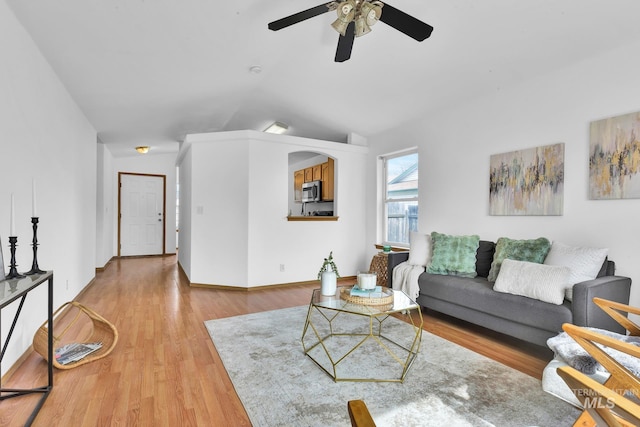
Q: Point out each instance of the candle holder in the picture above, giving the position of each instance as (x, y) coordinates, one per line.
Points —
(34, 265)
(13, 272)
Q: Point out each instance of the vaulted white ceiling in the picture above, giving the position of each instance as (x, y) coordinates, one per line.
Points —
(148, 72)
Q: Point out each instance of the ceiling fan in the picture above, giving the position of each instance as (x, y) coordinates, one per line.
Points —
(355, 18)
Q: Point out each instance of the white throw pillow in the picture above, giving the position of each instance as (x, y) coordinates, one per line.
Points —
(420, 248)
(542, 282)
(585, 263)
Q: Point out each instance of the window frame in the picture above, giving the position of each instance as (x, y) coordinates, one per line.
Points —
(385, 200)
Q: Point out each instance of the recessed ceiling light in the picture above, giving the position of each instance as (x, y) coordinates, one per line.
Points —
(255, 69)
(277, 128)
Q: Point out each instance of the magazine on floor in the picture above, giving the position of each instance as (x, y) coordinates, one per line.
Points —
(75, 351)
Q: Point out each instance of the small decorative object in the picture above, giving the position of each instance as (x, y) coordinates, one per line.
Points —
(367, 280)
(13, 271)
(34, 265)
(386, 249)
(328, 276)
(34, 221)
(13, 242)
(614, 170)
(380, 296)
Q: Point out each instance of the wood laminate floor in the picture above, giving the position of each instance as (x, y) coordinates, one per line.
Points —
(165, 370)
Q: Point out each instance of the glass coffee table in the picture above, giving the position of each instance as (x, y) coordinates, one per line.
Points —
(362, 340)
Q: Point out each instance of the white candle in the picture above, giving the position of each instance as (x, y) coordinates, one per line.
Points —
(12, 230)
(366, 281)
(33, 199)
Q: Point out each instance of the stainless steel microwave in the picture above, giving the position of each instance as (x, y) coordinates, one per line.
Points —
(311, 191)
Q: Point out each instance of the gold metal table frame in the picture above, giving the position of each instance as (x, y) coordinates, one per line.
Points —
(323, 325)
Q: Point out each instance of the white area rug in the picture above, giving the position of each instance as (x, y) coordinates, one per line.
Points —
(447, 385)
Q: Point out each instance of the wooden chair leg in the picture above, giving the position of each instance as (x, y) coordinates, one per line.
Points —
(359, 414)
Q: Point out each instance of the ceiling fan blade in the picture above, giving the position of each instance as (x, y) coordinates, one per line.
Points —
(404, 23)
(345, 43)
(299, 17)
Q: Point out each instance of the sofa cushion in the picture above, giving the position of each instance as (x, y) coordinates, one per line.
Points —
(584, 263)
(484, 257)
(478, 294)
(453, 255)
(543, 282)
(534, 250)
(419, 249)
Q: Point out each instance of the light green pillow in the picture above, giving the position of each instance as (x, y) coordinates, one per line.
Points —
(534, 250)
(453, 255)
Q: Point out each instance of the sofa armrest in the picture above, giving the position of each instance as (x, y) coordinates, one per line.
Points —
(586, 313)
(394, 259)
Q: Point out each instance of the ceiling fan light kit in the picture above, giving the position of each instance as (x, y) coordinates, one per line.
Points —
(355, 19)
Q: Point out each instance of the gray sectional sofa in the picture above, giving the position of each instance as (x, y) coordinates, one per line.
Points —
(474, 300)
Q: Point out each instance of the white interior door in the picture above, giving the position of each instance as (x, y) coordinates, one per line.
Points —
(141, 215)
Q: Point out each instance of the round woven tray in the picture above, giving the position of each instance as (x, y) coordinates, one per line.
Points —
(345, 294)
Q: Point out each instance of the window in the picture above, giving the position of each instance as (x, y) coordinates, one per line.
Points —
(400, 196)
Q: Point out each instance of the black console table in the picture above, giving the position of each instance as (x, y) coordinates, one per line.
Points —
(17, 289)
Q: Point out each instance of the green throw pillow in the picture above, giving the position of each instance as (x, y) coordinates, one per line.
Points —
(453, 255)
(534, 250)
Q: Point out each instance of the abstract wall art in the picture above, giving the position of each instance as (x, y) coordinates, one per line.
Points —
(614, 158)
(527, 182)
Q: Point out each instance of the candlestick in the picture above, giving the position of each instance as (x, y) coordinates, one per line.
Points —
(13, 272)
(34, 265)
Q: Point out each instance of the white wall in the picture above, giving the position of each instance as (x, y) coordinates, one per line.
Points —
(239, 204)
(105, 209)
(44, 136)
(184, 236)
(220, 212)
(455, 146)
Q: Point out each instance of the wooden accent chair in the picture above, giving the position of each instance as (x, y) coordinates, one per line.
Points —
(359, 414)
(615, 310)
(621, 380)
(604, 406)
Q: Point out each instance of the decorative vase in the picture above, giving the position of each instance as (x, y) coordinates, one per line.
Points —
(328, 283)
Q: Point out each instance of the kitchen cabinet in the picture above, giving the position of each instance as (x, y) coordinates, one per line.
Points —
(308, 174)
(317, 172)
(298, 180)
(327, 177)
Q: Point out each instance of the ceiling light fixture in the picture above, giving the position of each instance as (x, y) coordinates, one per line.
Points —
(277, 128)
(364, 13)
(142, 149)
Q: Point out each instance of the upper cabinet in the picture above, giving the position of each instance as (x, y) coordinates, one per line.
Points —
(298, 180)
(327, 179)
(317, 172)
(308, 174)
